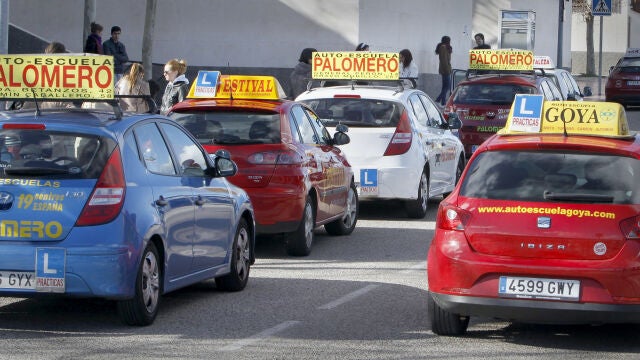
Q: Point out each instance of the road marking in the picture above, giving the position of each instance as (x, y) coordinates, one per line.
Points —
(260, 336)
(419, 266)
(347, 297)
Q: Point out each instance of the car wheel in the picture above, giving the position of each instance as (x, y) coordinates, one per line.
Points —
(444, 322)
(143, 307)
(238, 276)
(459, 170)
(417, 208)
(299, 242)
(347, 223)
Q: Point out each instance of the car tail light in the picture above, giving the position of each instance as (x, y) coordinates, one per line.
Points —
(346, 96)
(275, 158)
(631, 228)
(24, 126)
(401, 141)
(452, 217)
(107, 197)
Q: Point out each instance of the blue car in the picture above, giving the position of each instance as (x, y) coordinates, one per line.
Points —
(125, 207)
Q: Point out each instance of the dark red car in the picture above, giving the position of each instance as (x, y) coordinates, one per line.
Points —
(288, 163)
(623, 84)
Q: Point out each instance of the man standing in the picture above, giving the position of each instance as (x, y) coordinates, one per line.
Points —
(114, 47)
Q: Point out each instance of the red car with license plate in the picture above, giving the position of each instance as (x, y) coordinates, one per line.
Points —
(543, 226)
(623, 84)
(288, 163)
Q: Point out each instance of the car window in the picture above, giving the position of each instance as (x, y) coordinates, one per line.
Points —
(489, 93)
(325, 138)
(532, 176)
(190, 158)
(304, 126)
(153, 150)
(231, 127)
(357, 112)
(549, 90)
(571, 83)
(64, 154)
(630, 65)
(418, 110)
(435, 117)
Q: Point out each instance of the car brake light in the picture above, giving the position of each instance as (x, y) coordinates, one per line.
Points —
(452, 217)
(401, 141)
(346, 96)
(631, 228)
(275, 158)
(24, 126)
(107, 197)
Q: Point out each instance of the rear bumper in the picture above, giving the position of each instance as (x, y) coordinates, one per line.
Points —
(532, 311)
(392, 183)
(277, 211)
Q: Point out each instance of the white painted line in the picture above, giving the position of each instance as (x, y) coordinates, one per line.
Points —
(419, 266)
(347, 297)
(260, 336)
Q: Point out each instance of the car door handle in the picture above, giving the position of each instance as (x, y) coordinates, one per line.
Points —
(200, 201)
(161, 201)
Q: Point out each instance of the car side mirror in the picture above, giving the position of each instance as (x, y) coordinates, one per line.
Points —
(341, 138)
(454, 121)
(223, 166)
(587, 91)
(571, 97)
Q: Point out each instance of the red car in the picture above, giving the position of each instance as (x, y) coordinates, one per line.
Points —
(288, 163)
(543, 226)
(623, 84)
(482, 102)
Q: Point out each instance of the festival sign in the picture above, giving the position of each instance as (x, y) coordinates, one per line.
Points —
(355, 65)
(212, 85)
(518, 60)
(56, 77)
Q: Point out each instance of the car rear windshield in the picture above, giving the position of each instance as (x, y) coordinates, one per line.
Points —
(52, 155)
(231, 127)
(630, 66)
(553, 177)
(357, 112)
(489, 94)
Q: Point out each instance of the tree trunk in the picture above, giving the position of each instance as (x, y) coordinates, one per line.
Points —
(89, 17)
(591, 59)
(147, 38)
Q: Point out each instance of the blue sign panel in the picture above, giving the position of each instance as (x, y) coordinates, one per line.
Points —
(50, 269)
(368, 177)
(601, 8)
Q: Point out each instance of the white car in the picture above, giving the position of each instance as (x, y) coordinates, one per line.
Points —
(563, 79)
(401, 146)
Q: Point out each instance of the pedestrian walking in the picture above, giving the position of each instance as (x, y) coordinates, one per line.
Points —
(444, 50)
(301, 74)
(93, 44)
(133, 83)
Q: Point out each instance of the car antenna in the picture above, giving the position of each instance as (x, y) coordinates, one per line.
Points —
(564, 126)
(35, 100)
(230, 83)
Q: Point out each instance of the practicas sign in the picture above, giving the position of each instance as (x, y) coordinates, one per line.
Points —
(56, 76)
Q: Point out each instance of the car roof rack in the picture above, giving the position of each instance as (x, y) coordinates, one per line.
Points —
(474, 73)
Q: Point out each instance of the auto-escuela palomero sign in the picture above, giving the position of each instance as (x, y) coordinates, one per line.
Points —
(51, 77)
(519, 60)
(355, 65)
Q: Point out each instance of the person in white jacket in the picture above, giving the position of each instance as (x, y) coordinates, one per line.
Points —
(408, 67)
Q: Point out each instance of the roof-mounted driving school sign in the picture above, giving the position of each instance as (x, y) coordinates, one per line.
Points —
(355, 65)
(519, 60)
(213, 85)
(56, 77)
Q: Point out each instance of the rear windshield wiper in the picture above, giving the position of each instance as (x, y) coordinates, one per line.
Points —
(577, 197)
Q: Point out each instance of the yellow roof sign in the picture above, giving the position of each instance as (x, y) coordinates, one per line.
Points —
(577, 117)
(500, 59)
(56, 77)
(213, 85)
(355, 65)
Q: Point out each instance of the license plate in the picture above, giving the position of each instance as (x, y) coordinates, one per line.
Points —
(537, 288)
(17, 280)
(633, 82)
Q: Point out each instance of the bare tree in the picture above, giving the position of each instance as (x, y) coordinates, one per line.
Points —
(583, 7)
(147, 38)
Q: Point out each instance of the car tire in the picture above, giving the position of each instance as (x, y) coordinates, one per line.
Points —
(142, 309)
(417, 209)
(238, 275)
(444, 322)
(346, 224)
(299, 242)
(459, 170)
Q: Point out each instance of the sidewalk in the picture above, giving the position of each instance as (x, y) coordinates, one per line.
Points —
(592, 81)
